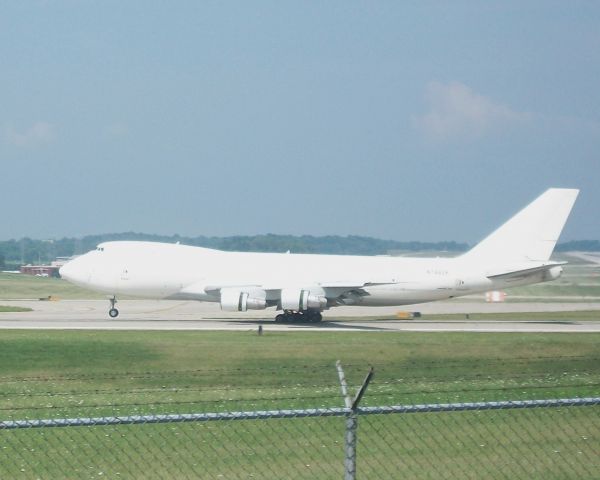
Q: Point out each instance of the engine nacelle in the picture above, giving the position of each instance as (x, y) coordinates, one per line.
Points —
(300, 300)
(234, 300)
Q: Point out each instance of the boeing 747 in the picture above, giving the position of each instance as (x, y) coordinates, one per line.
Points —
(302, 286)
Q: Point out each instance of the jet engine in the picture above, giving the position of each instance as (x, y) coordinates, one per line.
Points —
(234, 300)
(299, 300)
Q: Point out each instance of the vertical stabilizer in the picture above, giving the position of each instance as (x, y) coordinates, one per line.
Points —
(531, 234)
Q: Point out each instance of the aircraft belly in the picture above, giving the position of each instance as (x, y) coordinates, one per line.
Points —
(401, 295)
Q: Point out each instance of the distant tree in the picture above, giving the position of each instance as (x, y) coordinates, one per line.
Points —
(27, 250)
(2, 262)
(580, 245)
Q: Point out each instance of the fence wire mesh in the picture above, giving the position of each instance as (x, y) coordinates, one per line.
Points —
(288, 421)
(539, 442)
(539, 439)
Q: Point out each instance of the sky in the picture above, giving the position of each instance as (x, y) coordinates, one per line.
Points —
(401, 120)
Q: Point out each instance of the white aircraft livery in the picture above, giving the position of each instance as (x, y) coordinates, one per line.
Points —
(303, 285)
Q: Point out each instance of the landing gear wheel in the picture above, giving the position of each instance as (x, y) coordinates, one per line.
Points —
(305, 316)
(314, 317)
(113, 312)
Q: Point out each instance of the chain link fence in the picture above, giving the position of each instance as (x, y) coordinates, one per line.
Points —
(546, 439)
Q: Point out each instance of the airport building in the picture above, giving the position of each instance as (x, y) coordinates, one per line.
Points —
(45, 270)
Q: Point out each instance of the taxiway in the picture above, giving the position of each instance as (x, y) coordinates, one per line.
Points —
(187, 315)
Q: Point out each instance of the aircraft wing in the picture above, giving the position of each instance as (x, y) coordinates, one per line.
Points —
(330, 288)
(338, 292)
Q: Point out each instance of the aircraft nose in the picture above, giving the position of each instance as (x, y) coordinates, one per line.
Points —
(72, 271)
(66, 271)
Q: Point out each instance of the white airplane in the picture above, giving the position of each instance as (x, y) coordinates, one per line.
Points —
(303, 285)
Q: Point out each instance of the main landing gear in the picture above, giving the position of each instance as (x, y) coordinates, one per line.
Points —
(113, 312)
(306, 316)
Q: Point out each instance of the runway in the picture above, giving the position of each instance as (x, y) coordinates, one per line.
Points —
(186, 315)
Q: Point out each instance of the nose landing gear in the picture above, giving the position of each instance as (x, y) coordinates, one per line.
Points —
(113, 312)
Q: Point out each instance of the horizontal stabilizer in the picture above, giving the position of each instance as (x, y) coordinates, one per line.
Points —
(553, 270)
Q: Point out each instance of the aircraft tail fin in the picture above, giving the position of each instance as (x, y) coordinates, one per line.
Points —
(531, 234)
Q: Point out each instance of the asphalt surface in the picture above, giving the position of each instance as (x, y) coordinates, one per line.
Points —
(185, 315)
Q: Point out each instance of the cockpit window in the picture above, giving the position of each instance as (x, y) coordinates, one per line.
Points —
(99, 249)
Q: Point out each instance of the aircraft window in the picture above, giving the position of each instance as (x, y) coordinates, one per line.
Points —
(99, 249)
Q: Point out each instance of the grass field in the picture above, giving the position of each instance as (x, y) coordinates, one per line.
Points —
(16, 286)
(45, 374)
(54, 373)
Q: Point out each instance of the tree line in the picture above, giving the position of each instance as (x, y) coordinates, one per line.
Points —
(27, 250)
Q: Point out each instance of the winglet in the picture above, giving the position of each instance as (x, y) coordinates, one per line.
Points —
(531, 234)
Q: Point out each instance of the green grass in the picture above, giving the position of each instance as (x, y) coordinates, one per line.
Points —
(555, 290)
(567, 316)
(17, 286)
(45, 374)
(50, 373)
(7, 308)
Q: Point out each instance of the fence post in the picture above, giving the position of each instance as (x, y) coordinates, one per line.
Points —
(350, 447)
(351, 421)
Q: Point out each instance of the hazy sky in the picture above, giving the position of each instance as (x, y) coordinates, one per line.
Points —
(401, 120)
